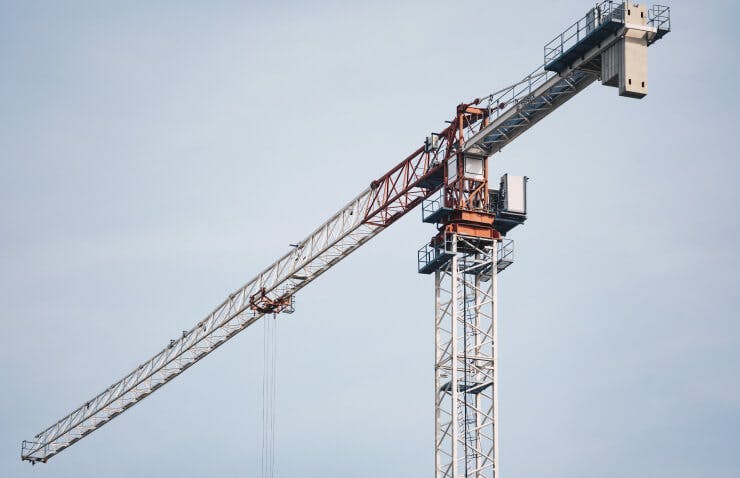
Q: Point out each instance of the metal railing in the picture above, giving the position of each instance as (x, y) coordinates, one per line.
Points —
(438, 253)
(505, 254)
(603, 13)
(425, 256)
(430, 254)
(502, 101)
(432, 205)
(659, 16)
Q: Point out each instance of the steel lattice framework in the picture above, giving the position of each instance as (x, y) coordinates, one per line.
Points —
(504, 116)
(466, 396)
(387, 199)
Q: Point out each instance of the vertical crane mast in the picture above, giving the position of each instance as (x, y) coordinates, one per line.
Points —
(465, 256)
(469, 250)
(449, 177)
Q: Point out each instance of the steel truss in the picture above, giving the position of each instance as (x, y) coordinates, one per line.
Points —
(466, 394)
(327, 245)
(386, 200)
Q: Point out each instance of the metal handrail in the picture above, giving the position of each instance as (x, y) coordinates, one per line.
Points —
(502, 100)
(432, 204)
(505, 251)
(659, 16)
(604, 12)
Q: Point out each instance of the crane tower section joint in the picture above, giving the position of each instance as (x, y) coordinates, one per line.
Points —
(486, 223)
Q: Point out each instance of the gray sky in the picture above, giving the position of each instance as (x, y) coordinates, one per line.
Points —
(155, 156)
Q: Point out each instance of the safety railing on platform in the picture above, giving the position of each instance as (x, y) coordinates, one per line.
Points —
(431, 206)
(505, 254)
(659, 16)
(500, 101)
(432, 256)
(603, 13)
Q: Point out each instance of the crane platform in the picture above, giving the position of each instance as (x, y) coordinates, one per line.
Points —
(601, 23)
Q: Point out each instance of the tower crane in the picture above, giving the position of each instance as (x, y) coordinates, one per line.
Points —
(448, 176)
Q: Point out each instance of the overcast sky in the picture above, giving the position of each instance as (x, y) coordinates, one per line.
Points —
(155, 155)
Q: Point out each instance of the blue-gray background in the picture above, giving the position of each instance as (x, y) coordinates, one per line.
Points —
(155, 155)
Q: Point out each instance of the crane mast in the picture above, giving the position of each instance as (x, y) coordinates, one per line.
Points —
(448, 175)
(469, 250)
